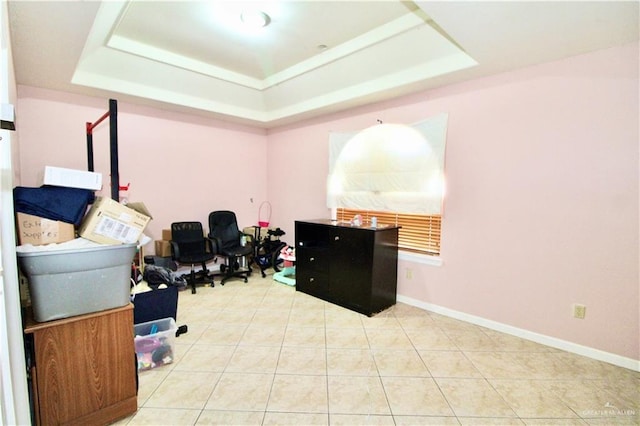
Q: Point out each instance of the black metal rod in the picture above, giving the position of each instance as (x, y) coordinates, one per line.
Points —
(89, 148)
(113, 149)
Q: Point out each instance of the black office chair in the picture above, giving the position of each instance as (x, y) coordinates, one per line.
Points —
(189, 246)
(224, 232)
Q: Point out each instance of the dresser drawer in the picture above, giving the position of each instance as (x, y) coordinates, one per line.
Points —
(315, 259)
(315, 283)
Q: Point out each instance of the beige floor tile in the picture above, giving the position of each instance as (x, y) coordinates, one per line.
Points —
(381, 321)
(183, 389)
(452, 325)
(222, 334)
(474, 398)
(298, 394)
(195, 330)
(487, 421)
(555, 422)
(589, 400)
(357, 395)
(626, 388)
(506, 343)
(532, 399)
(425, 421)
(282, 302)
(208, 358)
(306, 318)
(402, 366)
(383, 338)
(294, 360)
(416, 322)
(148, 382)
(296, 419)
(215, 417)
(271, 317)
(241, 392)
(263, 335)
(449, 364)
(306, 337)
(588, 368)
(545, 365)
(615, 420)
(431, 339)
(472, 340)
(254, 359)
(192, 314)
(399, 363)
(336, 316)
(234, 317)
(164, 416)
(498, 365)
(415, 396)
(350, 362)
(305, 302)
(354, 338)
(357, 419)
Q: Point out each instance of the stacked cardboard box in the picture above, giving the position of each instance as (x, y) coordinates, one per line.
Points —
(163, 246)
(40, 219)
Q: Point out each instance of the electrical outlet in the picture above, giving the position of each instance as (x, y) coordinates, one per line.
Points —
(409, 273)
(579, 311)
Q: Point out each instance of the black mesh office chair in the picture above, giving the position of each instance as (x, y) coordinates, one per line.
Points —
(189, 246)
(224, 232)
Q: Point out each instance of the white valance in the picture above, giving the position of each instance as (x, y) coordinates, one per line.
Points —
(389, 167)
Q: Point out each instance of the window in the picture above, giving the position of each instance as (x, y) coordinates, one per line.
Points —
(395, 173)
(419, 233)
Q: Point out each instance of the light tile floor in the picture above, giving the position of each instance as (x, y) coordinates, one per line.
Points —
(261, 353)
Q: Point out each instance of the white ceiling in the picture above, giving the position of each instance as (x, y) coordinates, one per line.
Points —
(191, 56)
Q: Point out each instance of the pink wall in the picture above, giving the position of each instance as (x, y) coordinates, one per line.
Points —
(182, 167)
(541, 208)
(542, 171)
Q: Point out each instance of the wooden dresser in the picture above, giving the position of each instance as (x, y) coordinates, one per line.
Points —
(354, 267)
(82, 368)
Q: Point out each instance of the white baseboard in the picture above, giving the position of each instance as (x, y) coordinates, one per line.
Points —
(553, 342)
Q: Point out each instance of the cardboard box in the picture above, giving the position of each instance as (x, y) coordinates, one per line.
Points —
(59, 176)
(163, 248)
(166, 234)
(38, 230)
(109, 222)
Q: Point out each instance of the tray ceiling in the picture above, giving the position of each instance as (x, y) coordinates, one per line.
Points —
(314, 57)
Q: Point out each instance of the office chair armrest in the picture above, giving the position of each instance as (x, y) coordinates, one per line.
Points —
(211, 245)
(216, 244)
(175, 250)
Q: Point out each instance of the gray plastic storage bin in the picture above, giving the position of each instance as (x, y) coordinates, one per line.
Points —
(65, 283)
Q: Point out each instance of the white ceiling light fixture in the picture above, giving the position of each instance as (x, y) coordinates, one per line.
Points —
(255, 19)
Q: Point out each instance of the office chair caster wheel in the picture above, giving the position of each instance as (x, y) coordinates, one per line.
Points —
(245, 280)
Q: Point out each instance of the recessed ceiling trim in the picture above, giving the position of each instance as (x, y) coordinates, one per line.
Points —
(375, 36)
(368, 39)
(109, 62)
(447, 64)
(126, 45)
(117, 85)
